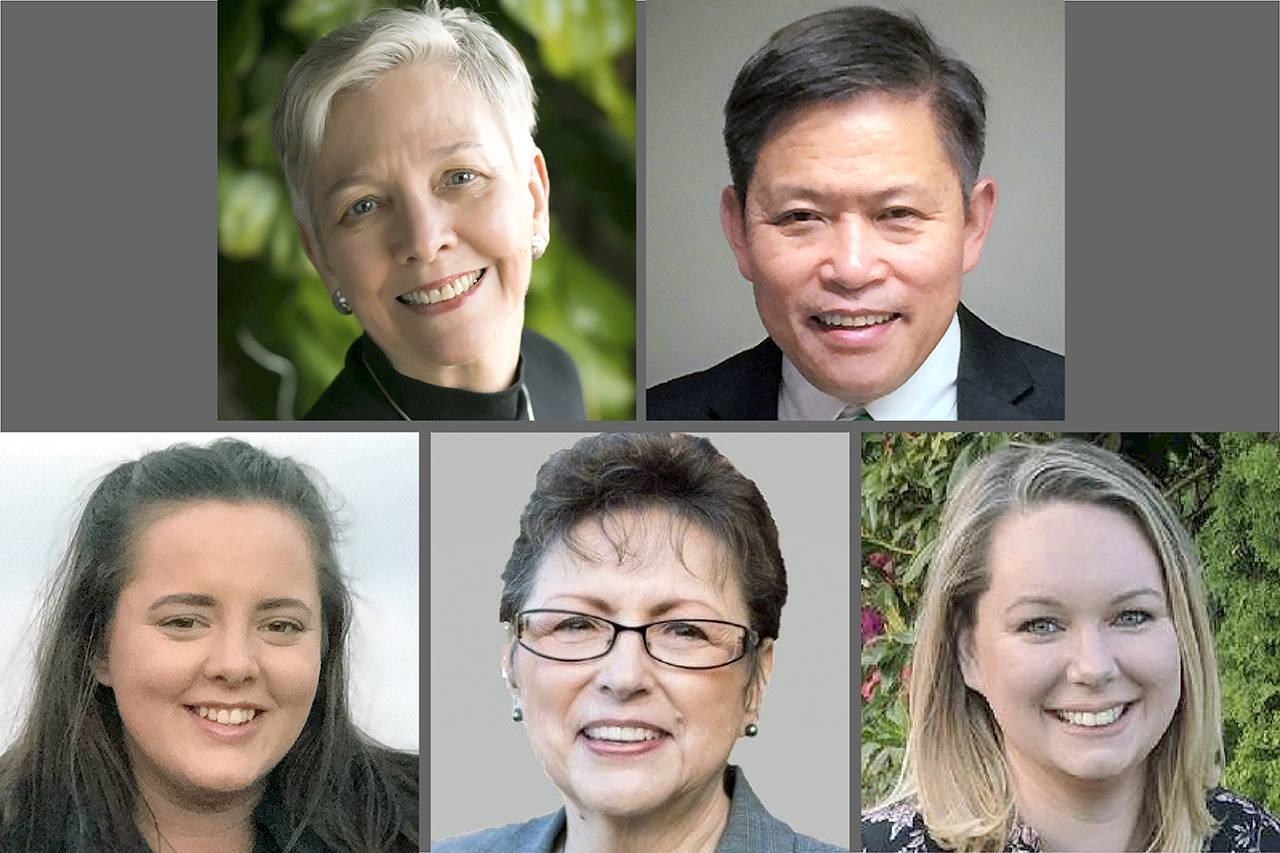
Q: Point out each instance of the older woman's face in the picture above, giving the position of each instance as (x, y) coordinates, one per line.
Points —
(697, 714)
(424, 217)
(213, 652)
(1074, 645)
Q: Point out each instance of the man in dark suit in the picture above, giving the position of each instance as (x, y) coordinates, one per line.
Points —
(854, 146)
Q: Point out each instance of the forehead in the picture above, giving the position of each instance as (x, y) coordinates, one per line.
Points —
(635, 560)
(874, 139)
(414, 112)
(227, 550)
(1073, 552)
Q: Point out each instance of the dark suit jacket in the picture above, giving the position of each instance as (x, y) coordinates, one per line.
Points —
(750, 829)
(999, 379)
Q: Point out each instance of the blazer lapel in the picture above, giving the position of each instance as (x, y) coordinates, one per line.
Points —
(990, 376)
(750, 391)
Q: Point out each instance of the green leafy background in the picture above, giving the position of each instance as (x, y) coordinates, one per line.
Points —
(581, 55)
(1226, 488)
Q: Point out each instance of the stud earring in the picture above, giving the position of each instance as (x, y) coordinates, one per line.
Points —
(751, 730)
(538, 245)
(340, 302)
(516, 714)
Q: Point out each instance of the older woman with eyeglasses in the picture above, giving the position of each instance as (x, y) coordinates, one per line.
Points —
(642, 597)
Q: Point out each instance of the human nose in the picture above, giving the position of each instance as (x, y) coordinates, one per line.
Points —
(1093, 660)
(627, 668)
(854, 258)
(424, 229)
(232, 657)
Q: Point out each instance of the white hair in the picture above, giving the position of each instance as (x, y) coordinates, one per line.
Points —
(356, 56)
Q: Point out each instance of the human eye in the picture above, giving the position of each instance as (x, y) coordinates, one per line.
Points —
(359, 209)
(180, 622)
(1133, 618)
(687, 631)
(285, 626)
(460, 177)
(898, 214)
(1040, 626)
(576, 625)
(797, 217)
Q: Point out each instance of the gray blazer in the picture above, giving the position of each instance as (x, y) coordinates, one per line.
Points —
(750, 829)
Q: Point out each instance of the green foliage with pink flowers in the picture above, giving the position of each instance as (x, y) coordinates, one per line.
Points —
(1226, 489)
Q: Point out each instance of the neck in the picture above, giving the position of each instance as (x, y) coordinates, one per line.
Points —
(176, 824)
(1081, 815)
(494, 370)
(690, 826)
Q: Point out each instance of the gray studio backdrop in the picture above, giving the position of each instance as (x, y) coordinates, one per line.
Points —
(483, 773)
(700, 309)
(372, 482)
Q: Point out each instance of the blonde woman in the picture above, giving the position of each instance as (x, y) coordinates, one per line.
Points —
(1064, 691)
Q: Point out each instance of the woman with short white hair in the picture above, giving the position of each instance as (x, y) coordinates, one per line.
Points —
(406, 141)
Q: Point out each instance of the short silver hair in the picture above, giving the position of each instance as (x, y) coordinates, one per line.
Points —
(356, 56)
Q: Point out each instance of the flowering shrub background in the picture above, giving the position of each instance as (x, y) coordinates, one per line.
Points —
(1227, 490)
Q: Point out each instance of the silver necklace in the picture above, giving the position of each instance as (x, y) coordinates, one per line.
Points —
(523, 392)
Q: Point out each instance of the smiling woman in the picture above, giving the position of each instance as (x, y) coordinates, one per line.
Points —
(190, 686)
(1064, 691)
(642, 602)
(421, 200)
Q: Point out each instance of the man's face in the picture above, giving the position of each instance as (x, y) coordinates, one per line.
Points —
(855, 237)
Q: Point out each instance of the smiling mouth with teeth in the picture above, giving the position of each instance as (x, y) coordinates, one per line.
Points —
(449, 290)
(836, 319)
(225, 716)
(621, 734)
(1087, 719)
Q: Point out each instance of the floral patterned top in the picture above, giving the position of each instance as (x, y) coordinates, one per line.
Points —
(1245, 827)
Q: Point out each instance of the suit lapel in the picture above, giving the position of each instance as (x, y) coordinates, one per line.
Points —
(750, 392)
(990, 376)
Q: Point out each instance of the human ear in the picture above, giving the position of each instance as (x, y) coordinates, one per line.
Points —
(968, 659)
(540, 190)
(755, 690)
(982, 209)
(508, 665)
(101, 670)
(733, 223)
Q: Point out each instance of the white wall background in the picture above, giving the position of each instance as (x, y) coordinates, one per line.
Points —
(370, 479)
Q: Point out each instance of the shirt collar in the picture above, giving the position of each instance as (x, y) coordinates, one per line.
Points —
(929, 394)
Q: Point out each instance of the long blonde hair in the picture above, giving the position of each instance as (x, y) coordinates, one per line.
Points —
(954, 766)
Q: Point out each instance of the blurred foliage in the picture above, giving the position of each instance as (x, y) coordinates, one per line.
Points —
(272, 307)
(1226, 490)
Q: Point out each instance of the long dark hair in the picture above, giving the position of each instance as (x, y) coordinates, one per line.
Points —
(66, 783)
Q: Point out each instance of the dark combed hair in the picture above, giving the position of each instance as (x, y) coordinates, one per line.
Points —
(838, 55)
(66, 783)
(618, 472)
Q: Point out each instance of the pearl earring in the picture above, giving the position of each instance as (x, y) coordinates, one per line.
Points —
(751, 730)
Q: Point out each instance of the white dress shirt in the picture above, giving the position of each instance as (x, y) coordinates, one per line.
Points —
(929, 394)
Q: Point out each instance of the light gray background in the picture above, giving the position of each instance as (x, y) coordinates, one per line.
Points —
(372, 483)
(483, 772)
(701, 310)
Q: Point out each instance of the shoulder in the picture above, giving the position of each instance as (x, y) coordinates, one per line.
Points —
(894, 826)
(749, 379)
(350, 396)
(532, 836)
(1243, 823)
(751, 829)
(554, 386)
(1009, 377)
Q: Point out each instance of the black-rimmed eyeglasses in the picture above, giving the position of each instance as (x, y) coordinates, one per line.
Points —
(566, 635)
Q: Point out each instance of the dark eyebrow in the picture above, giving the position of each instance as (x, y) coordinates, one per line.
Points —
(878, 197)
(438, 153)
(657, 610)
(191, 599)
(1050, 601)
